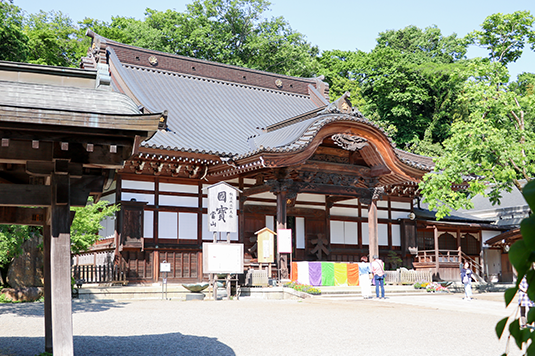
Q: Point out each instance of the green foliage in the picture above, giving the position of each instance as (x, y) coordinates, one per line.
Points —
(505, 35)
(86, 223)
(13, 41)
(53, 40)
(12, 238)
(494, 148)
(227, 31)
(393, 259)
(522, 257)
(410, 82)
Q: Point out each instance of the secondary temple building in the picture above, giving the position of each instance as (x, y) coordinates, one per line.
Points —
(301, 162)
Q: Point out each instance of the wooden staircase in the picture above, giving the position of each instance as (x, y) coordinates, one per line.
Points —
(449, 264)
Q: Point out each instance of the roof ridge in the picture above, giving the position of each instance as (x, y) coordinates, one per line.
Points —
(109, 41)
(217, 81)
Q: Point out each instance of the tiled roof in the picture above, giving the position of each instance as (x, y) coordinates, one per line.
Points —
(56, 97)
(29, 103)
(299, 134)
(207, 115)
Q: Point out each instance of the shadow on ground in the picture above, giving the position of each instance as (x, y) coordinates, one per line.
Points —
(37, 309)
(159, 344)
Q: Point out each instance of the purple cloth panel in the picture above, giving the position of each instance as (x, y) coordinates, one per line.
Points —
(314, 271)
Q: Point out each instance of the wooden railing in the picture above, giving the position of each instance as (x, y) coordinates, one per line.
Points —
(456, 257)
(444, 256)
(99, 274)
(405, 276)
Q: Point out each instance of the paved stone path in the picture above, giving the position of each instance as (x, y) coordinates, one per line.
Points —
(400, 325)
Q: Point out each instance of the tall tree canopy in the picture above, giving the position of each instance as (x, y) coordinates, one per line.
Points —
(227, 31)
(409, 83)
(13, 40)
(492, 149)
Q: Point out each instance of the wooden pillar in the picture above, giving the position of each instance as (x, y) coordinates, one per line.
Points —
(481, 255)
(372, 229)
(47, 288)
(435, 234)
(281, 224)
(60, 259)
(459, 246)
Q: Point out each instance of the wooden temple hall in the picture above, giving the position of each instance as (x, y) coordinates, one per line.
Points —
(301, 160)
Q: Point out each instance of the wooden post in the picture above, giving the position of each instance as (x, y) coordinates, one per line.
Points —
(60, 258)
(435, 233)
(372, 230)
(481, 255)
(47, 289)
(281, 224)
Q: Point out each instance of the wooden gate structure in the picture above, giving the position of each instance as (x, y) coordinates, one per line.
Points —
(61, 141)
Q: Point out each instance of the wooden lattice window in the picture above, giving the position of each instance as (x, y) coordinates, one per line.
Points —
(447, 242)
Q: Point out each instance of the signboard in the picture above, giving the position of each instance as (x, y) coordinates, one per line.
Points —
(222, 257)
(284, 240)
(165, 267)
(265, 245)
(222, 205)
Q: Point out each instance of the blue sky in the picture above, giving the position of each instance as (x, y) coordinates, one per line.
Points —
(330, 24)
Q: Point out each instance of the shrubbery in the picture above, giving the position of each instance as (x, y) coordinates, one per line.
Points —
(303, 288)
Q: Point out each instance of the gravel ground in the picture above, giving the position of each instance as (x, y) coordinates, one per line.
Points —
(400, 325)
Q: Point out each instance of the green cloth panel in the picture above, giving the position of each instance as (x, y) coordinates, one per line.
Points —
(340, 274)
(327, 274)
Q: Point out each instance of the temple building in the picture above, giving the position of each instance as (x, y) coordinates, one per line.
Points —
(301, 161)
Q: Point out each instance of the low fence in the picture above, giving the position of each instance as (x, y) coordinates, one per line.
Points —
(98, 274)
(405, 276)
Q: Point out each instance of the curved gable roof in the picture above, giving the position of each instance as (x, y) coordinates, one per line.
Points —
(206, 115)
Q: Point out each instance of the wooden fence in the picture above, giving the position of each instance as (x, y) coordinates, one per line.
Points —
(99, 274)
(404, 276)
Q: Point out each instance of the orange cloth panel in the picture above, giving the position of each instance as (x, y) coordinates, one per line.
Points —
(293, 272)
(353, 274)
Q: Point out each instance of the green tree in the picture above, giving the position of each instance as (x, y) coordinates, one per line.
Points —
(13, 41)
(226, 31)
(522, 257)
(86, 223)
(12, 238)
(84, 232)
(494, 148)
(505, 36)
(53, 40)
(410, 81)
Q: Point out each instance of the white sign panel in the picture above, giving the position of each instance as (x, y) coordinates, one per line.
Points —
(222, 215)
(165, 267)
(284, 240)
(222, 257)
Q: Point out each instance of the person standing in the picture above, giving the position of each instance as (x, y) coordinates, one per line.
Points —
(378, 271)
(466, 278)
(523, 301)
(364, 278)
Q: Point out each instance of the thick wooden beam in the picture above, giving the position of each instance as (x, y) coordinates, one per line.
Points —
(257, 189)
(24, 195)
(331, 189)
(62, 332)
(22, 216)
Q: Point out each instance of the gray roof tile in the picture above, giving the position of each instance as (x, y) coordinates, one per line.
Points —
(207, 115)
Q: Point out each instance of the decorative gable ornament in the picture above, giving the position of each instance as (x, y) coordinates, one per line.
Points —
(222, 207)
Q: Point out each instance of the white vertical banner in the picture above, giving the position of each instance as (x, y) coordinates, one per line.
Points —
(222, 206)
(284, 240)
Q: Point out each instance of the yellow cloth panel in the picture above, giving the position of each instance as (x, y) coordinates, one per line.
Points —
(340, 274)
